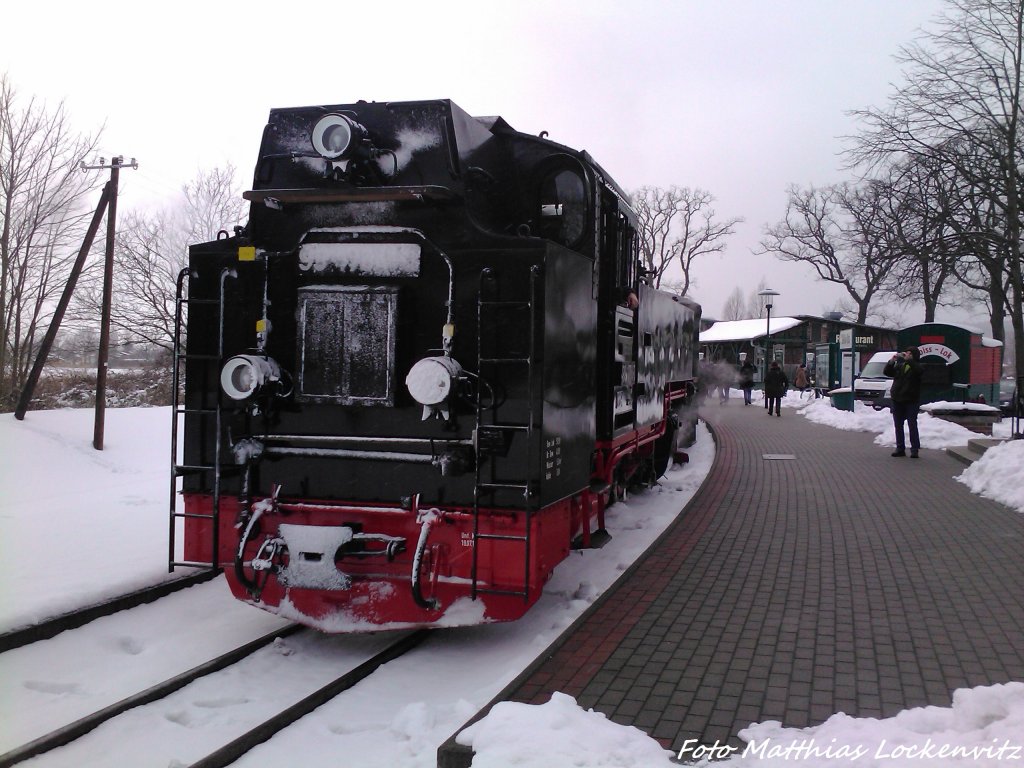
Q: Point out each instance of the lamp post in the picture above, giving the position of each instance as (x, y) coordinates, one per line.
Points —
(767, 294)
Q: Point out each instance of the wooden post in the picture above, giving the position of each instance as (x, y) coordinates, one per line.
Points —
(108, 288)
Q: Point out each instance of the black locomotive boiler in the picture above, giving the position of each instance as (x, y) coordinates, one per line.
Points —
(419, 374)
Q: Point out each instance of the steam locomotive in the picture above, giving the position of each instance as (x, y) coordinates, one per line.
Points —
(419, 374)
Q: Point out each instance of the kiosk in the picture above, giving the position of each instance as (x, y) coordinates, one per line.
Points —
(960, 364)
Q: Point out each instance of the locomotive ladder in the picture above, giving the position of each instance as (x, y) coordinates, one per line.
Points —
(486, 487)
(206, 410)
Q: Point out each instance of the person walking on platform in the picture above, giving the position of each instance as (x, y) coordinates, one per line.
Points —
(726, 376)
(707, 383)
(775, 385)
(747, 381)
(905, 369)
(800, 380)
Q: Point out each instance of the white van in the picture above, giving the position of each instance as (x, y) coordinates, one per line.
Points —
(872, 386)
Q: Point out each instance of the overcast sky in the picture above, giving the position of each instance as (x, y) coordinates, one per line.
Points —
(739, 97)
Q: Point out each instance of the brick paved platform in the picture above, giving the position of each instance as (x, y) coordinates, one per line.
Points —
(841, 579)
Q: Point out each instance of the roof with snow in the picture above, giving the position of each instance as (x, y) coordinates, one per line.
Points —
(986, 341)
(745, 330)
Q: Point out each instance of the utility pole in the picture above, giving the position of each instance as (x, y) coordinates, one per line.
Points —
(108, 289)
(108, 203)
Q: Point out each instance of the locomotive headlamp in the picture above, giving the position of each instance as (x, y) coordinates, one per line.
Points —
(336, 136)
(244, 375)
(431, 381)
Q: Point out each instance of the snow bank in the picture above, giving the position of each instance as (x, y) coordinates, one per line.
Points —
(556, 735)
(983, 727)
(999, 475)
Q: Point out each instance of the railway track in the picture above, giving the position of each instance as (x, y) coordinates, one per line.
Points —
(44, 630)
(262, 732)
(255, 732)
(73, 671)
(68, 733)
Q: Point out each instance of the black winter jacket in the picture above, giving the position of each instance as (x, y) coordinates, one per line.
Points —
(906, 380)
(775, 383)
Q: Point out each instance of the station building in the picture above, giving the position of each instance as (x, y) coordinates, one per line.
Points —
(808, 339)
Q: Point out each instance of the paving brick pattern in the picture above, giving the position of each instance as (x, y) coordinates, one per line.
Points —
(790, 589)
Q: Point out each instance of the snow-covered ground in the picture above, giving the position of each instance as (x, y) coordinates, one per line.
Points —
(79, 525)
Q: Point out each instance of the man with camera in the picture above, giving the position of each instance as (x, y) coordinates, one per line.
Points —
(905, 369)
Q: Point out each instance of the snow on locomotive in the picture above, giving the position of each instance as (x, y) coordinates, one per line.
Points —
(416, 378)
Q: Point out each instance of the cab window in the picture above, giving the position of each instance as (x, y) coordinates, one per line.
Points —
(563, 206)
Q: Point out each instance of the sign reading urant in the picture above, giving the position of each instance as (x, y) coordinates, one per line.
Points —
(848, 341)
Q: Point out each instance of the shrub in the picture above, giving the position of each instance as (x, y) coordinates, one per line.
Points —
(126, 388)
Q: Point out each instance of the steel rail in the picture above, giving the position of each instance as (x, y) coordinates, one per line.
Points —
(44, 630)
(229, 753)
(68, 733)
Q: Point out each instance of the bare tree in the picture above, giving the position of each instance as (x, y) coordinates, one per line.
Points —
(152, 248)
(940, 227)
(677, 226)
(212, 202)
(43, 210)
(756, 303)
(735, 307)
(916, 211)
(835, 231)
(80, 345)
(148, 260)
(964, 85)
(983, 264)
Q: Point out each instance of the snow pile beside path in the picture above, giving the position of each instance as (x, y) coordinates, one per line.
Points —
(999, 475)
(559, 734)
(946, 405)
(935, 433)
(983, 727)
